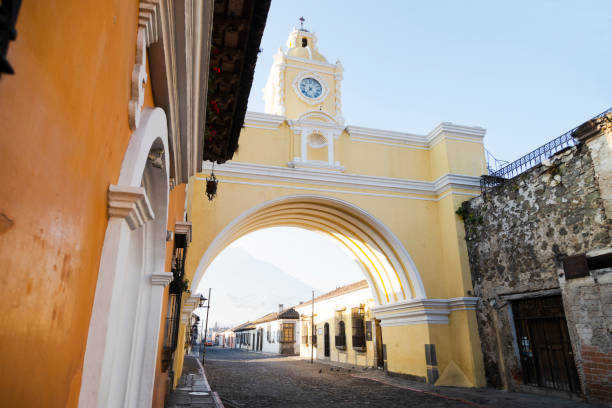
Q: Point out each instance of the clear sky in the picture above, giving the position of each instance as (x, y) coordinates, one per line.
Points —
(526, 71)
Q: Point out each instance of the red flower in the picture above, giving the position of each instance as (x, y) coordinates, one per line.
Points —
(214, 105)
(217, 70)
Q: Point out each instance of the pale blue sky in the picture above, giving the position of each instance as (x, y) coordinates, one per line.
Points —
(526, 71)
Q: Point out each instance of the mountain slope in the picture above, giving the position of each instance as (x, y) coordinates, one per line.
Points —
(240, 294)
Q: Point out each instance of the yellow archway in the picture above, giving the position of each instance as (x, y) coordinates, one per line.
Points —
(388, 268)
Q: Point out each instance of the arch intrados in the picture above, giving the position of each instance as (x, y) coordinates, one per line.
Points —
(363, 246)
(371, 266)
(368, 231)
(336, 237)
(377, 245)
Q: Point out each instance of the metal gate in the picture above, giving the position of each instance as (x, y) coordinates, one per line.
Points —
(544, 345)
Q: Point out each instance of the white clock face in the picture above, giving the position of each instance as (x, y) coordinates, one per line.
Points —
(311, 88)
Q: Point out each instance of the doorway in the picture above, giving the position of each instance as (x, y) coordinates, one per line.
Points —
(380, 361)
(259, 339)
(326, 339)
(545, 350)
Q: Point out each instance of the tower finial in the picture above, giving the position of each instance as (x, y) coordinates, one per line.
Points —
(302, 22)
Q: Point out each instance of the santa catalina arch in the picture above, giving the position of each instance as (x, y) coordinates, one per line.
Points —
(389, 197)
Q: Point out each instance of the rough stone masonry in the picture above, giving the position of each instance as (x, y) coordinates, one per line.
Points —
(518, 236)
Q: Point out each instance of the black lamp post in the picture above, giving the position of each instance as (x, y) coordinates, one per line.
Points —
(201, 304)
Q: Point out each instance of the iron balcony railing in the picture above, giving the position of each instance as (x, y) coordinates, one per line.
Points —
(531, 159)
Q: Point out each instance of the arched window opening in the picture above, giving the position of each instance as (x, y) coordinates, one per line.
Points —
(304, 42)
(359, 335)
(340, 332)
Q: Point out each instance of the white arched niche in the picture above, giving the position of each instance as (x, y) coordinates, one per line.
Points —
(119, 365)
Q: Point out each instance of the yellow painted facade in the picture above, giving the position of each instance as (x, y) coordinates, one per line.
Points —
(330, 309)
(389, 197)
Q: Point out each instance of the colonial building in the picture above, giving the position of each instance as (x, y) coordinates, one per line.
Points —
(344, 329)
(275, 332)
(540, 249)
(106, 111)
(389, 197)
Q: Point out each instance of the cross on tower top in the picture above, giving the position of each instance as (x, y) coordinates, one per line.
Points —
(302, 22)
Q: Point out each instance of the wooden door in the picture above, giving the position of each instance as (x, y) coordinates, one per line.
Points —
(544, 346)
(380, 362)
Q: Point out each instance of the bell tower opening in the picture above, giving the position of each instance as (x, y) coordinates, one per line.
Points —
(304, 42)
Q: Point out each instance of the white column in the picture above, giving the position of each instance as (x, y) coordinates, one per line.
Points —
(304, 152)
(330, 148)
(158, 282)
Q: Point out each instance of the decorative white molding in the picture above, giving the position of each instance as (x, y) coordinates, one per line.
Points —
(443, 131)
(316, 140)
(338, 79)
(148, 13)
(310, 74)
(191, 303)
(263, 120)
(130, 203)
(322, 64)
(298, 163)
(419, 311)
(139, 80)
(124, 272)
(161, 278)
(316, 176)
(183, 227)
(332, 191)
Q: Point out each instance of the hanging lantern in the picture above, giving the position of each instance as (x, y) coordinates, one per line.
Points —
(211, 184)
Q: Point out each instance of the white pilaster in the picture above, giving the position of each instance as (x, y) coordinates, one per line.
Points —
(330, 148)
(158, 283)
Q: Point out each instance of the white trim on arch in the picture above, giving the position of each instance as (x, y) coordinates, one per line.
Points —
(392, 263)
(144, 200)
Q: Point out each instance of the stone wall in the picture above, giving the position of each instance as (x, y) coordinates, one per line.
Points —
(517, 237)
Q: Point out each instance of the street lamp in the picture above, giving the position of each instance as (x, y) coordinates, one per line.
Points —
(201, 304)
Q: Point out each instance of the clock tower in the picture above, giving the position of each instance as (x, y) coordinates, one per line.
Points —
(304, 88)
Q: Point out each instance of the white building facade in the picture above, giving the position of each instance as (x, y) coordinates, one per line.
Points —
(345, 330)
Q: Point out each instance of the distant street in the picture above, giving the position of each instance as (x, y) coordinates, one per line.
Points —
(248, 379)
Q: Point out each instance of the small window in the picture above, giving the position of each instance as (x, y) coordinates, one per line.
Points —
(341, 336)
(287, 335)
(304, 42)
(359, 337)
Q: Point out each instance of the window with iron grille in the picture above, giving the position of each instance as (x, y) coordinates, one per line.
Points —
(269, 333)
(340, 328)
(172, 322)
(341, 336)
(287, 333)
(314, 336)
(359, 338)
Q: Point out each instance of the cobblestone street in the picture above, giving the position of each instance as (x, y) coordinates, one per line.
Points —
(248, 379)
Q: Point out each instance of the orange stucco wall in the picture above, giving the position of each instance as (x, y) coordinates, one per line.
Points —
(63, 134)
(176, 210)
